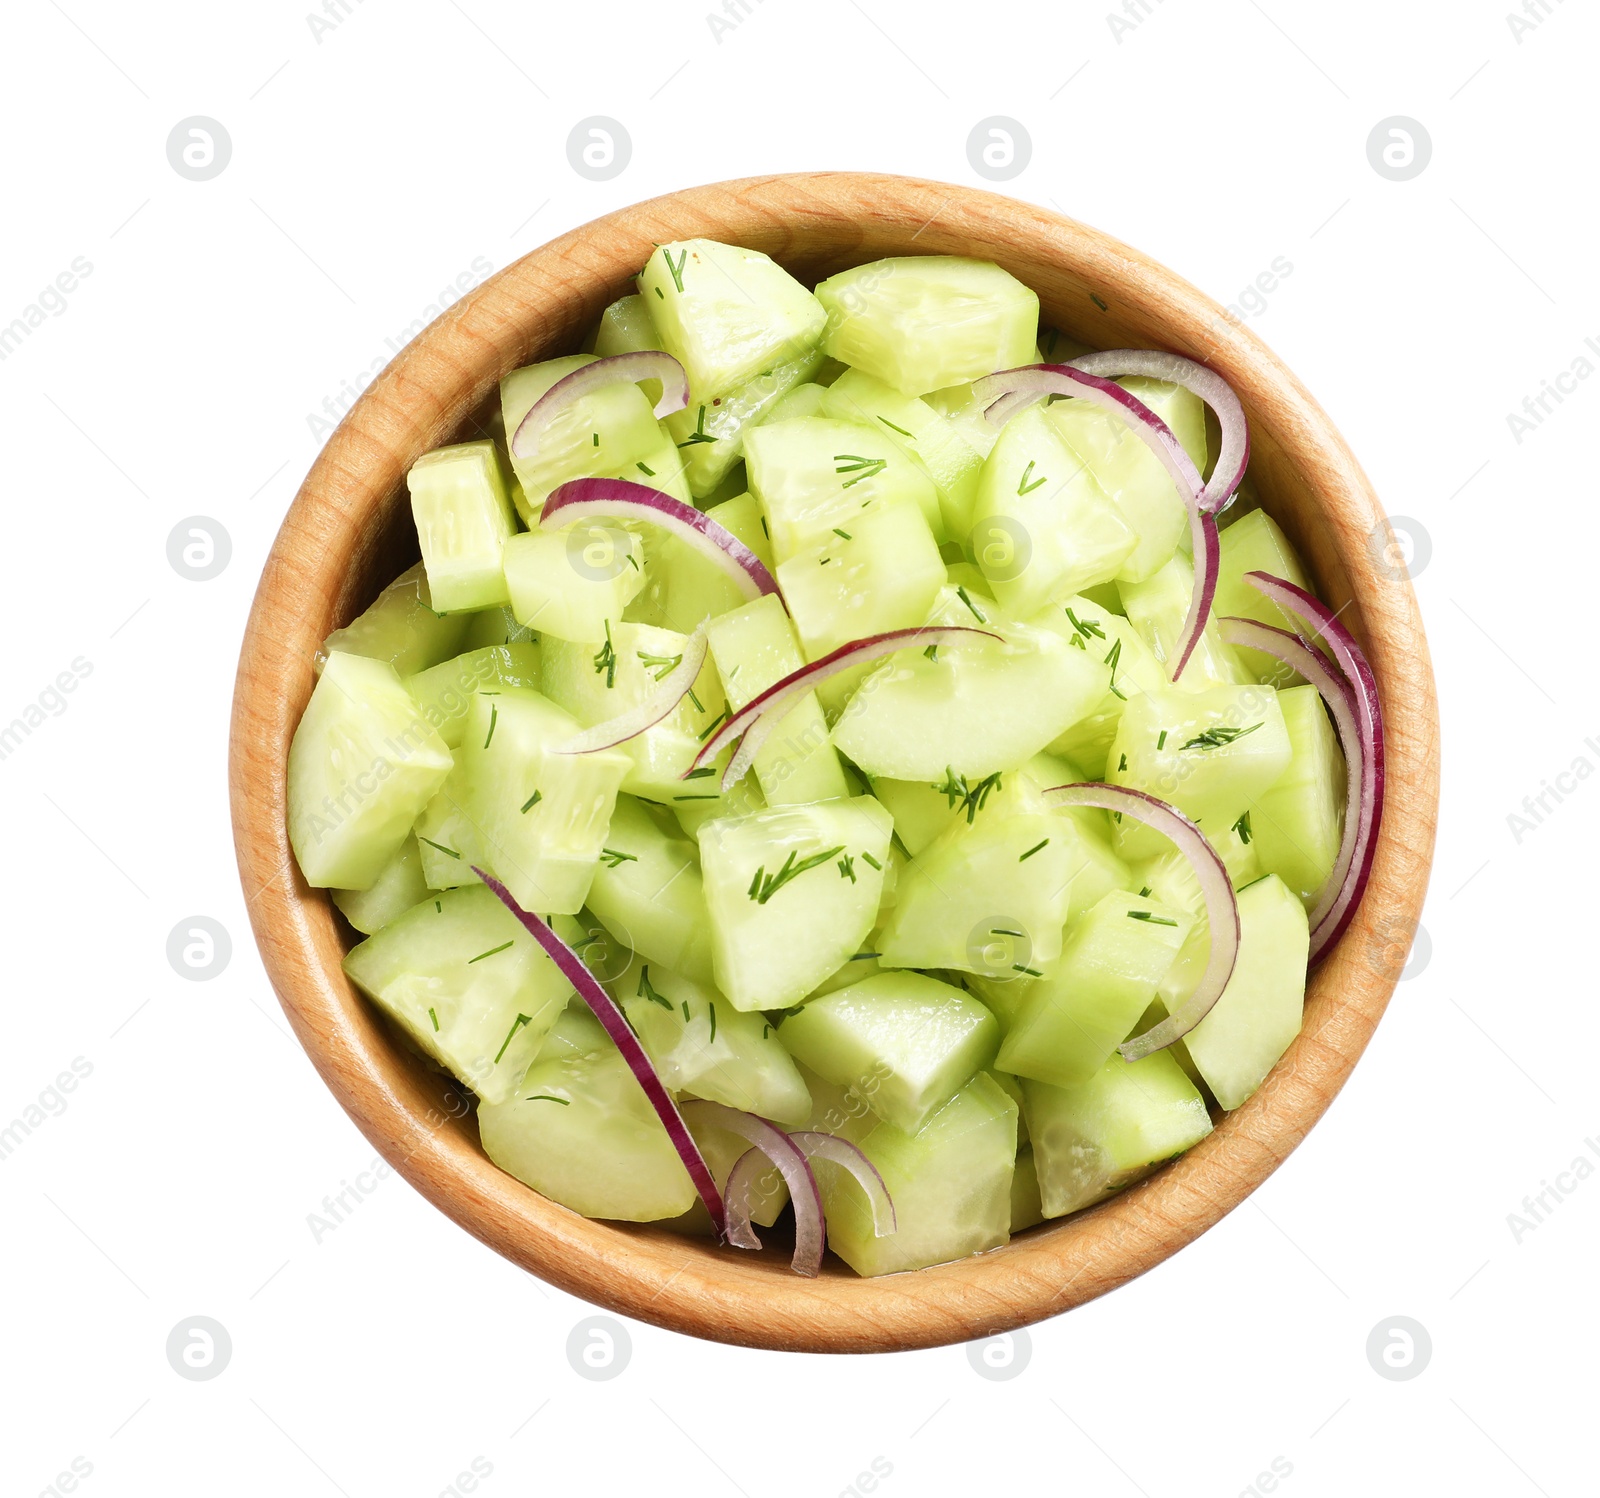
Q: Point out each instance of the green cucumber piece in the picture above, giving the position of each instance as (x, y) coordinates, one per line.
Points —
(464, 519)
(1091, 1140)
(727, 314)
(803, 400)
(400, 627)
(922, 322)
(1075, 1015)
(722, 1150)
(467, 983)
(741, 517)
(576, 1032)
(1259, 1013)
(444, 692)
(963, 409)
(1157, 609)
(580, 1131)
(1042, 527)
(647, 892)
(362, 764)
(904, 1042)
(1027, 1207)
(1130, 473)
(570, 583)
(1255, 542)
(777, 933)
(755, 646)
(1295, 826)
(1012, 1087)
(496, 626)
(921, 811)
(395, 891)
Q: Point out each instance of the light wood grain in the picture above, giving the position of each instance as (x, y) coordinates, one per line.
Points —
(348, 531)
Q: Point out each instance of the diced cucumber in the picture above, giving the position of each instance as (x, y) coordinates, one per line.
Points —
(1259, 1013)
(604, 432)
(395, 891)
(722, 1150)
(444, 692)
(741, 517)
(464, 519)
(1296, 825)
(919, 431)
(495, 627)
(878, 571)
(964, 411)
(362, 765)
(921, 811)
(1130, 473)
(625, 673)
(700, 1044)
(1091, 1140)
(626, 327)
(569, 583)
(1012, 1087)
(400, 627)
(1082, 1008)
(576, 1032)
(682, 586)
(1171, 878)
(535, 817)
(975, 708)
(1211, 753)
(647, 892)
(1027, 1208)
(950, 1183)
(727, 314)
(1157, 608)
(803, 400)
(922, 322)
(906, 1043)
(815, 475)
(581, 1131)
(755, 646)
(1042, 527)
(1256, 543)
(792, 892)
(467, 983)
(862, 965)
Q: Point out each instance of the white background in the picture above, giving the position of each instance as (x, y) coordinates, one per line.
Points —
(369, 168)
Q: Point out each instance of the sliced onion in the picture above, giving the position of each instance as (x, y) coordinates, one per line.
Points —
(763, 712)
(1337, 905)
(816, 1145)
(737, 1193)
(618, 369)
(1222, 910)
(622, 499)
(1200, 381)
(672, 689)
(1011, 390)
(777, 1147)
(616, 1026)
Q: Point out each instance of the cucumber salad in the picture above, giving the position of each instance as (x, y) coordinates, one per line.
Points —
(833, 759)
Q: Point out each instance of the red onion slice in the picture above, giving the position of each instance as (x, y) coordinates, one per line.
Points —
(647, 364)
(1200, 381)
(792, 1164)
(816, 1145)
(622, 499)
(737, 1196)
(1337, 906)
(617, 1027)
(1011, 390)
(673, 688)
(763, 712)
(1222, 910)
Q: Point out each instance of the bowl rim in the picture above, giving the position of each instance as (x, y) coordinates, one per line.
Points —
(344, 509)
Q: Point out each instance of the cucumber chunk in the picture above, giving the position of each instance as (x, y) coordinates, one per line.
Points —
(727, 314)
(816, 475)
(975, 708)
(950, 1183)
(803, 400)
(444, 692)
(362, 765)
(1091, 1140)
(1157, 608)
(467, 983)
(904, 1042)
(964, 409)
(1027, 1208)
(1259, 1013)
(576, 1032)
(755, 646)
(570, 583)
(647, 892)
(400, 627)
(1073, 1017)
(1042, 527)
(741, 517)
(496, 626)
(581, 1131)
(464, 519)
(1296, 825)
(395, 891)
(1256, 543)
(1132, 475)
(700, 1044)
(922, 322)
(783, 917)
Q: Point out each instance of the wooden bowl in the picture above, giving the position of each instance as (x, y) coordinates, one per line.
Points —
(349, 530)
